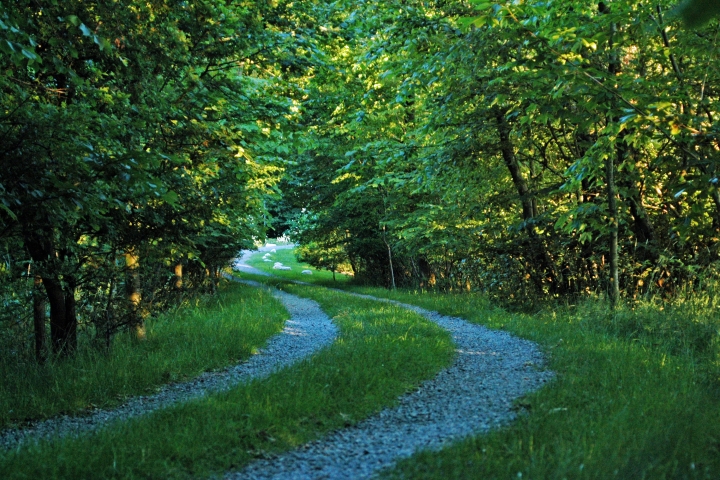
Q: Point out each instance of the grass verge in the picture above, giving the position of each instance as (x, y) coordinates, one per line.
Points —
(210, 334)
(637, 395)
(286, 256)
(382, 352)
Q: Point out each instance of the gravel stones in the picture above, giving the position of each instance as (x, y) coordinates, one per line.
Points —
(308, 330)
(491, 370)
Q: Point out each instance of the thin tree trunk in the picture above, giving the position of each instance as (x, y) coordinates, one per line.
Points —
(59, 330)
(62, 328)
(614, 290)
(529, 208)
(642, 225)
(178, 271)
(39, 320)
(508, 154)
(392, 271)
(70, 333)
(614, 287)
(134, 294)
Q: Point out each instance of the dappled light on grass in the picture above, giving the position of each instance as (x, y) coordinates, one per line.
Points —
(286, 256)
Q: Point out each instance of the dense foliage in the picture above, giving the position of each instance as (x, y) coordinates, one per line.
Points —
(516, 147)
(138, 138)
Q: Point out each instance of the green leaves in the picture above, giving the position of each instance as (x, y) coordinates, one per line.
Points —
(697, 13)
(135, 125)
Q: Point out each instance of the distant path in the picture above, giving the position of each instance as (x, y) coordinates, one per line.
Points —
(491, 370)
(241, 263)
(308, 330)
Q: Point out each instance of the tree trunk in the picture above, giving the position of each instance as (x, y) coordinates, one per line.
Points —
(63, 328)
(392, 271)
(178, 271)
(39, 305)
(642, 226)
(508, 154)
(529, 208)
(134, 294)
(70, 333)
(614, 290)
(60, 332)
(614, 287)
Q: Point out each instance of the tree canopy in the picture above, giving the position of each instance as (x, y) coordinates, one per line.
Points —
(520, 148)
(502, 146)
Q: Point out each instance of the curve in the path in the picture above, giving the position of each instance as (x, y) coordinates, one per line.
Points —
(492, 369)
(308, 330)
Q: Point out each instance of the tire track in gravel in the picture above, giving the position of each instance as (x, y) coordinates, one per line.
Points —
(308, 330)
(491, 370)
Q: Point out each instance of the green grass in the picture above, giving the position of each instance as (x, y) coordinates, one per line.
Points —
(382, 352)
(637, 393)
(207, 335)
(636, 396)
(286, 256)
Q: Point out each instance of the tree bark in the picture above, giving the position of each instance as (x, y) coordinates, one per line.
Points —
(70, 333)
(392, 271)
(508, 153)
(529, 207)
(642, 225)
(61, 334)
(178, 285)
(614, 287)
(63, 328)
(134, 294)
(614, 290)
(39, 305)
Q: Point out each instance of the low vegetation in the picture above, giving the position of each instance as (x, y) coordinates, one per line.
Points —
(287, 257)
(209, 334)
(637, 393)
(382, 352)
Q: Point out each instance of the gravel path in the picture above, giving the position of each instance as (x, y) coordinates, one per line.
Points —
(491, 370)
(308, 330)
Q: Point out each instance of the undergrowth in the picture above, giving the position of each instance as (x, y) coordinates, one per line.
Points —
(209, 334)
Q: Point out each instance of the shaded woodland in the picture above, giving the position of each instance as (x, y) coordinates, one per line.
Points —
(523, 149)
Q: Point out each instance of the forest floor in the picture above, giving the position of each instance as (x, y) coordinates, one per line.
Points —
(306, 331)
(487, 372)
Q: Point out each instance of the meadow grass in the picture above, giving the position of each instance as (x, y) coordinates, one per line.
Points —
(637, 394)
(208, 334)
(286, 256)
(382, 352)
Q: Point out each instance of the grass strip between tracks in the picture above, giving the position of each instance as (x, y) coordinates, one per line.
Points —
(637, 393)
(625, 403)
(382, 351)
